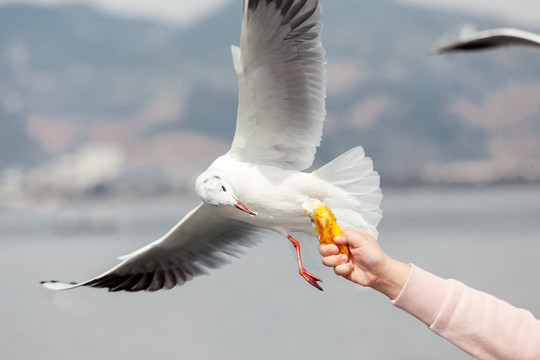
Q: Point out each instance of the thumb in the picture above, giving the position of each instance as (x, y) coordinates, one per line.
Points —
(341, 239)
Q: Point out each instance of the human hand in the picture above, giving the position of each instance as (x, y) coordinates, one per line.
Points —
(368, 264)
(366, 257)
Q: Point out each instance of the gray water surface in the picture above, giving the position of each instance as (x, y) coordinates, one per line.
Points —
(257, 307)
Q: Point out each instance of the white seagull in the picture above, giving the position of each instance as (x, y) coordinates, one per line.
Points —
(471, 40)
(258, 184)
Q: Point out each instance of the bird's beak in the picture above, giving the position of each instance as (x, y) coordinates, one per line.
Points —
(243, 207)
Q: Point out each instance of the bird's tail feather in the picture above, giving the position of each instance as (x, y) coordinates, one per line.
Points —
(352, 172)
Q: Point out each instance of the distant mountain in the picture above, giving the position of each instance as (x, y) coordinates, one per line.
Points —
(70, 75)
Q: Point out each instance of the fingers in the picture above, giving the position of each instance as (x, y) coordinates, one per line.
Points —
(335, 260)
(344, 269)
(332, 258)
(327, 250)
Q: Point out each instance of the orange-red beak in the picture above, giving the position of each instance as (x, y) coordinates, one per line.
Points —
(243, 207)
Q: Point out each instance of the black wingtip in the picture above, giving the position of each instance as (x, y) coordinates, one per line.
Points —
(49, 281)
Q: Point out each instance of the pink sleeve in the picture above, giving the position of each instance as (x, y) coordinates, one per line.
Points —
(476, 322)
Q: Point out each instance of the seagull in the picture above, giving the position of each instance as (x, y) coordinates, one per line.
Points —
(260, 184)
(471, 40)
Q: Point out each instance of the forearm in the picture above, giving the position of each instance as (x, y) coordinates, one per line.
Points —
(476, 322)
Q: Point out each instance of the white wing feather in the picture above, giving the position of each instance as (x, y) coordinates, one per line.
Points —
(198, 242)
(281, 73)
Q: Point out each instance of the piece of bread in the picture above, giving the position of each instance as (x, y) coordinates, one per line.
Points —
(324, 223)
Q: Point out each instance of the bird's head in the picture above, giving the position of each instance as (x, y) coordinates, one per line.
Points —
(215, 190)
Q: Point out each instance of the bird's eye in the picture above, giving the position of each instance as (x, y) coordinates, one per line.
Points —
(223, 188)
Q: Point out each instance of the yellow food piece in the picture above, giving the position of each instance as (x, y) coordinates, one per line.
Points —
(325, 224)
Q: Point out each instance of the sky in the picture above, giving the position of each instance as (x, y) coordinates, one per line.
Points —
(184, 12)
(176, 12)
(520, 12)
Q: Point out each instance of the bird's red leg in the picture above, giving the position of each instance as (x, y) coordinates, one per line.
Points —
(310, 278)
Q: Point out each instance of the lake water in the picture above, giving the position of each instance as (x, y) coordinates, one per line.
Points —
(257, 307)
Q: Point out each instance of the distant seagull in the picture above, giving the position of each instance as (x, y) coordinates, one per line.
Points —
(470, 40)
(258, 183)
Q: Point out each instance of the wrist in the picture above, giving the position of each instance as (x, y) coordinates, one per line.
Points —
(391, 278)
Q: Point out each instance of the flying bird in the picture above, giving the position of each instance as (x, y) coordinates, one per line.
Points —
(259, 184)
(471, 40)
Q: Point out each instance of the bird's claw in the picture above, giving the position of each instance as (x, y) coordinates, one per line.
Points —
(312, 279)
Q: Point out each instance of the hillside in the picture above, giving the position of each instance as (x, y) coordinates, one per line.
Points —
(73, 79)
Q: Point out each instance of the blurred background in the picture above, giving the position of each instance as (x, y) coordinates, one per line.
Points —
(110, 109)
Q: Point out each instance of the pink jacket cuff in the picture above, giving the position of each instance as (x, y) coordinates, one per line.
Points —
(423, 295)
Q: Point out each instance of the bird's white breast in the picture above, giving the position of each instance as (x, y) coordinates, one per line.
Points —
(275, 194)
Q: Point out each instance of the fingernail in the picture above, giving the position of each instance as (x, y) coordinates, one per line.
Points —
(343, 258)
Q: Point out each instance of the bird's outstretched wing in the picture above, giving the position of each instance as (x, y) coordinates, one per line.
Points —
(199, 241)
(471, 40)
(281, 73)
